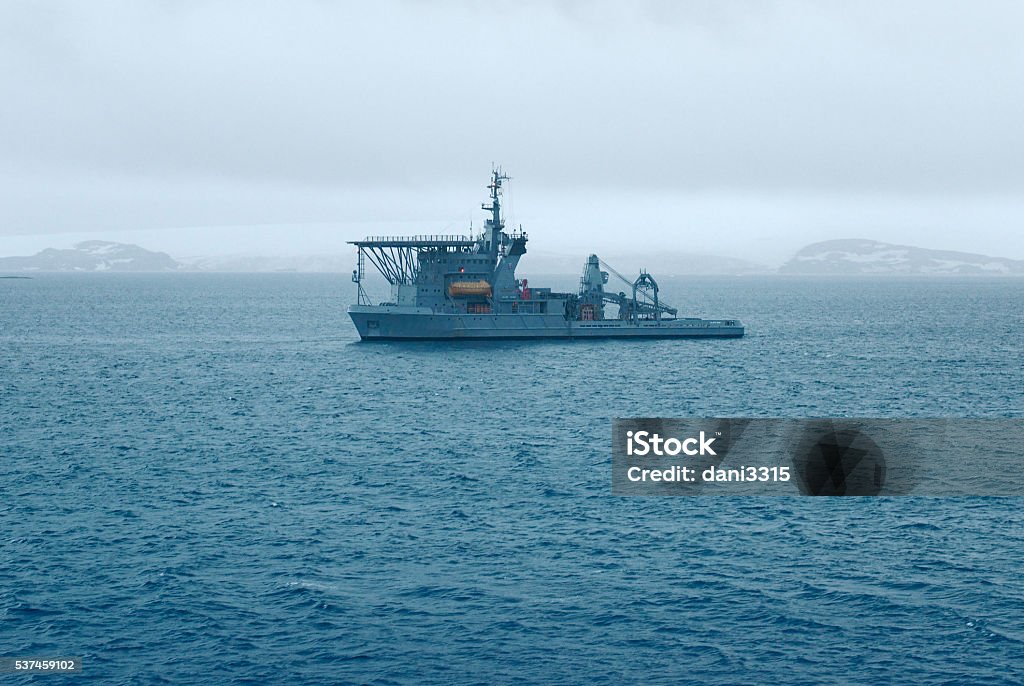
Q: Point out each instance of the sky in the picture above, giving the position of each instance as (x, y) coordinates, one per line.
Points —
(741, 128)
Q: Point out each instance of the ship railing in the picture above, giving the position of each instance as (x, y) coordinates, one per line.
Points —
(428, 239)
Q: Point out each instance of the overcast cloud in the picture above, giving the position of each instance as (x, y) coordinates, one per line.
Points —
(742, 128)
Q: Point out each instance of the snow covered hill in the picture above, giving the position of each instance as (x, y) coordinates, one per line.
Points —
(859, 256)
(93, 256)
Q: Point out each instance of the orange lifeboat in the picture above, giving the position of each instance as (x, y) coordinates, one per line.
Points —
(460, 289)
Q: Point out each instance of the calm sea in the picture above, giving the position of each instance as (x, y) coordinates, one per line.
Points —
(206, 479)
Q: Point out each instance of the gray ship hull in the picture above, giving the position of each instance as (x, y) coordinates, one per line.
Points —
(393, 322)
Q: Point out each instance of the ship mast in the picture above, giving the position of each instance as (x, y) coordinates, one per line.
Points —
(494, 225)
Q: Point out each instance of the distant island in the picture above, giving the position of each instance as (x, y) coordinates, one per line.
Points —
(93, 256)
(846, 257)
(865, 257)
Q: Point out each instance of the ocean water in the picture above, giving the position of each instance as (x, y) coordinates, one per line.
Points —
(206, 479)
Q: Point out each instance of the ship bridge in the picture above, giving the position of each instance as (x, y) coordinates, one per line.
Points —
(447, 271)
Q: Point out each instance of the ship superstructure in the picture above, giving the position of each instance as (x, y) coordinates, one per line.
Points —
(445, 286)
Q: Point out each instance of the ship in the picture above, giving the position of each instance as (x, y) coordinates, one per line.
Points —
(465, 287)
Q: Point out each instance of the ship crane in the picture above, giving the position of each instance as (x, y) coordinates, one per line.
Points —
(643, 303)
